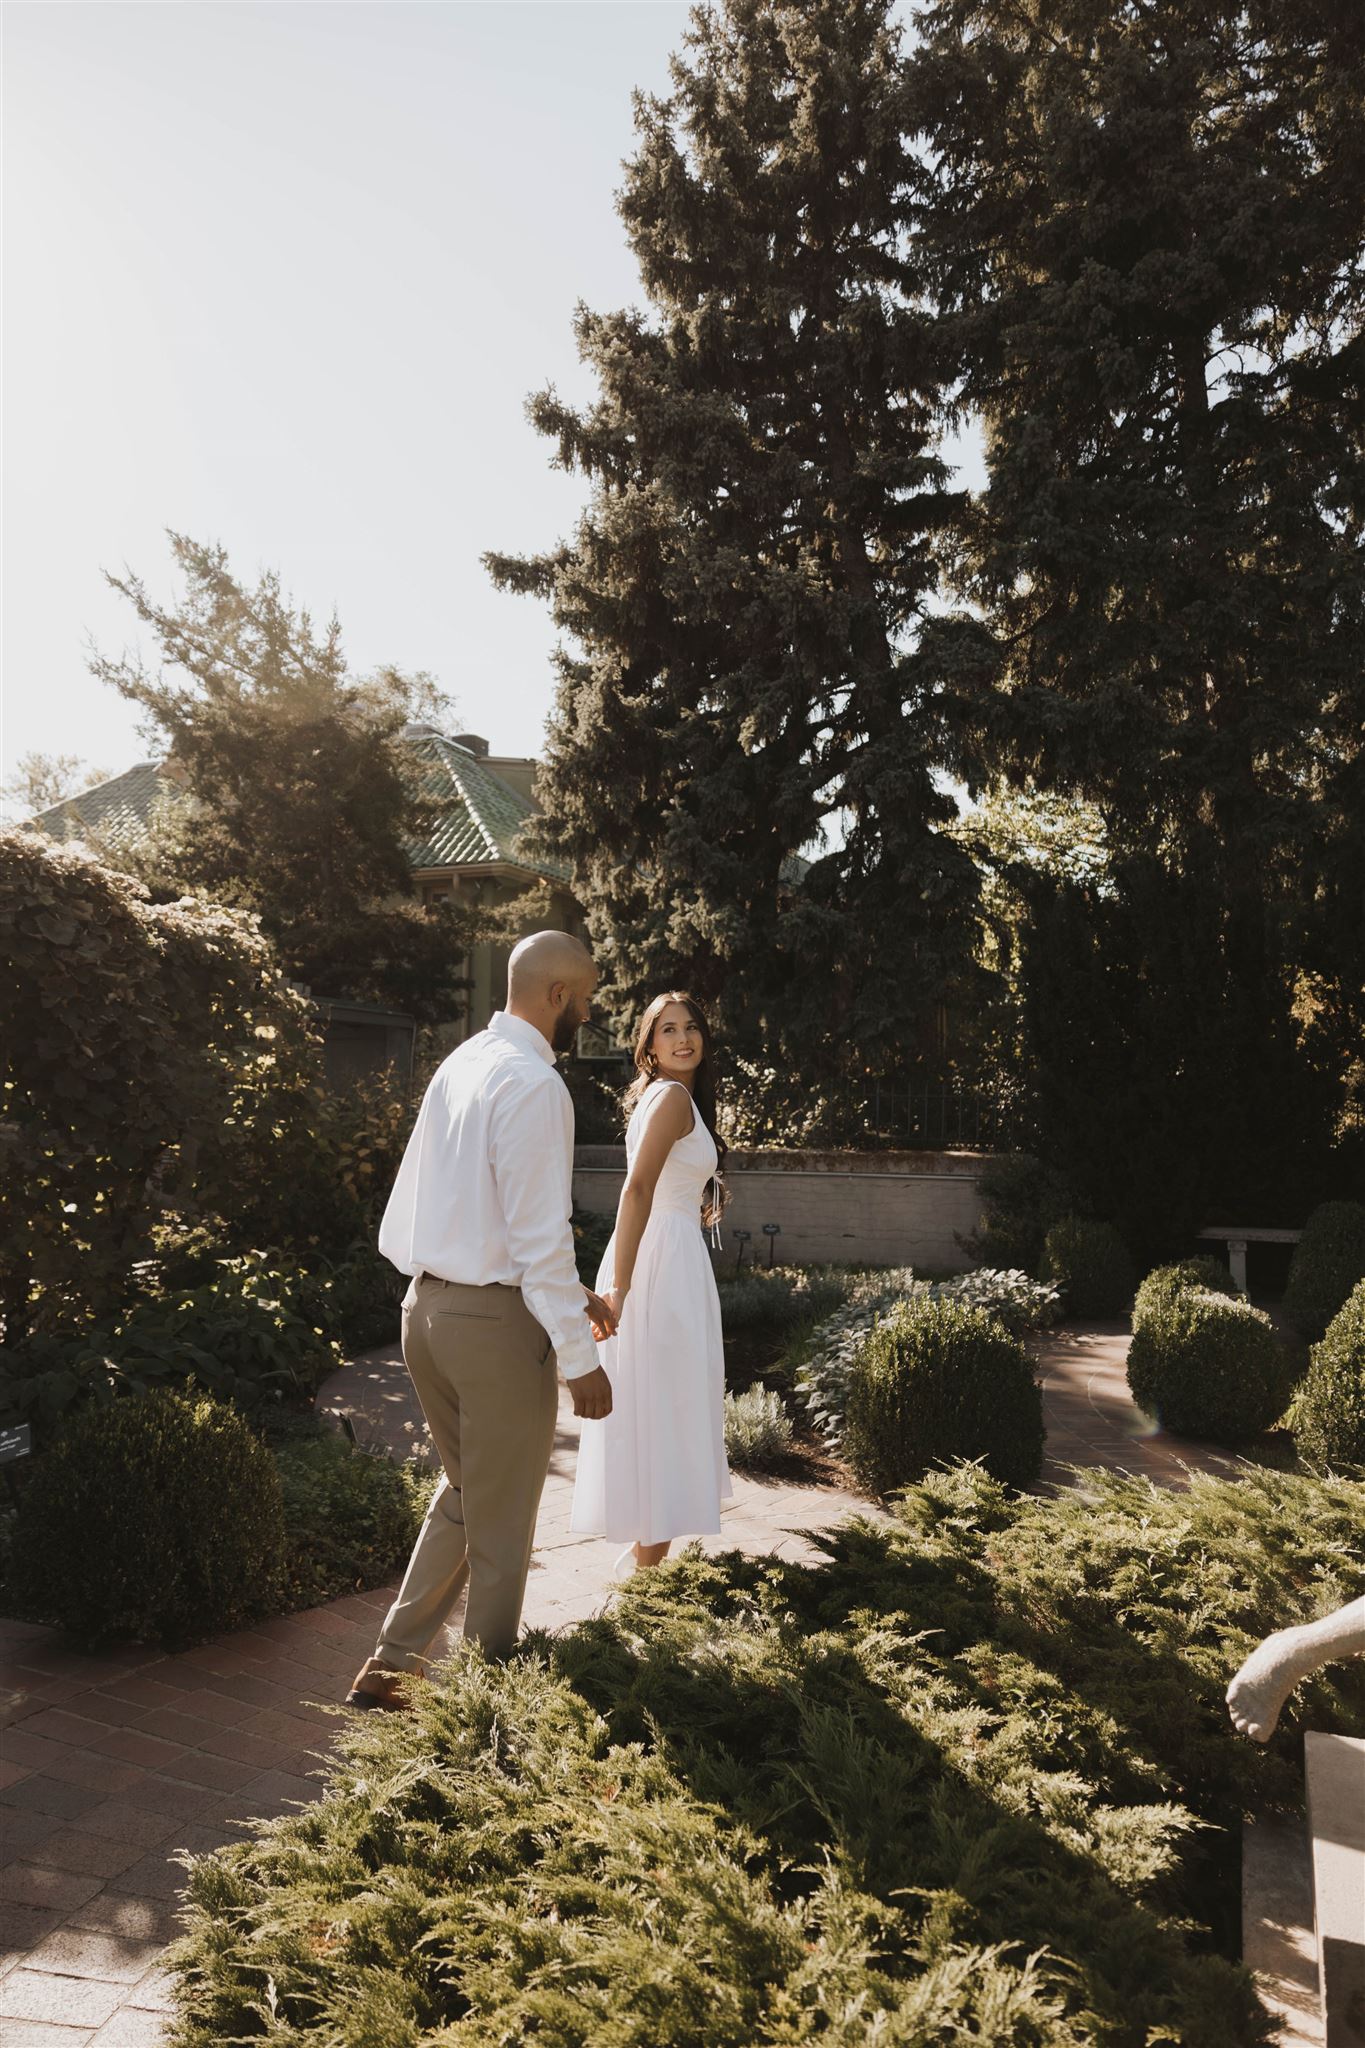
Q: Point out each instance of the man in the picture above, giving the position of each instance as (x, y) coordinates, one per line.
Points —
(479, 1216)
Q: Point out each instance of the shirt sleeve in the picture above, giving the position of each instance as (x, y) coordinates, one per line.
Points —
(531, 1154)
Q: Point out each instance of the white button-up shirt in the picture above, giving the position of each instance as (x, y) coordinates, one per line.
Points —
(484, 1193)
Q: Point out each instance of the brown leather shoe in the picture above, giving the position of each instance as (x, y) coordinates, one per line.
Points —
(380, 1686)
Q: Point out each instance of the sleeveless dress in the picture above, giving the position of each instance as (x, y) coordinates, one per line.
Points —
(655, 1467)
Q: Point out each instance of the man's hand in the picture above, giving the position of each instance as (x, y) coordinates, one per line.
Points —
(591, 1393)
(602, 1316)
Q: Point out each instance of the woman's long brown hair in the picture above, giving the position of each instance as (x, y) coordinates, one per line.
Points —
(703, 1085)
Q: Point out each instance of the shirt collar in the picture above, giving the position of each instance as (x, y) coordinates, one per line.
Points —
(523, 1034)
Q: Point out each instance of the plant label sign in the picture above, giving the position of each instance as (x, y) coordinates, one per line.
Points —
(15, 1443)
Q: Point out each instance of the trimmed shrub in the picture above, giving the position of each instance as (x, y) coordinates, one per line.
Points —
(159, 1518)
(1090, 1263)
(935, 1381)
(1207, 1365)
(1328, 1261)
(1163, 1283)
(971, 1778)
(351, 1517)
(758, 1429)
(1329, 1412)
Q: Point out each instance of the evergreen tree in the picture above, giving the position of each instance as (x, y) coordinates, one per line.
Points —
(294, 798)
(1145, 233)
(747, 677)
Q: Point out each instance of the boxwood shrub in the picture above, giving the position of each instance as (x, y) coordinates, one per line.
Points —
(1207, 1365)
(971, 1779)
(159, 1517)
(1328, 1261)
(1329, 1411)
(1163, 1283)
(1090, 1263)
(935, 1381)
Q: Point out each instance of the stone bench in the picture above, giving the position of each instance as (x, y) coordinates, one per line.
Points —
(1237, 1236)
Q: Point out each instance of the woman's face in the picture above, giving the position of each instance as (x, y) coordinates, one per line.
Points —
(678, 1044)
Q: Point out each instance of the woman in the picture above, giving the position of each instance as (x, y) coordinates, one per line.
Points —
(655, 1467)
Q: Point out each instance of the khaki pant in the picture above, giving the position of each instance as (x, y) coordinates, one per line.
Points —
(487, 1382)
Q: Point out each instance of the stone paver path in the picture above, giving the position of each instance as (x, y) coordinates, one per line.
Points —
(110, 1766)
(1090, 1416)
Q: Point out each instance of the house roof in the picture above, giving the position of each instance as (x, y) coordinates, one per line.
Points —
(479, 819)
(480, 816)
(116, 810)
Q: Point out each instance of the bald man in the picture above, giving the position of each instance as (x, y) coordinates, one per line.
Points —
(479, 1217)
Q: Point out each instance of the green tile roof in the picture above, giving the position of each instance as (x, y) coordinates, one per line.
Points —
(478, 823)
(480, 816)
(117, 810)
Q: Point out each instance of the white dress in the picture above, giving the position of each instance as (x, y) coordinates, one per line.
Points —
(655, 1467)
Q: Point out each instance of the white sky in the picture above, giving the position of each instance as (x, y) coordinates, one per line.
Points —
(282, 276)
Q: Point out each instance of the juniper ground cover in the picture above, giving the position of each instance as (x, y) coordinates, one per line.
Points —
(969, 1780)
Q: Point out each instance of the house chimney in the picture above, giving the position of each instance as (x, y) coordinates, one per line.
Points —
(473, 742)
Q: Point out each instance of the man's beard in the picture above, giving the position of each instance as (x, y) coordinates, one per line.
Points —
(566, 1030)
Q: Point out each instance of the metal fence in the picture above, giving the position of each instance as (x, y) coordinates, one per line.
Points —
(917, 1110)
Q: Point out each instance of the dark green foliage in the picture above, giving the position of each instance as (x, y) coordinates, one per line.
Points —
(1021, 1199)
(253, 1330)
(159, 1518)
(1329, 1410)
(295, 798)
(1328, 1261)
(1090, 1263)
(1167, 1101)
(766, 528)
(591, 1236)
(935, 1382)
(757, 1805)
(1207, 1365)
(253, 1334)
(1163, 1283)
(1169, 553)
(150, 1054)
(351, 1517)
(766, 1311)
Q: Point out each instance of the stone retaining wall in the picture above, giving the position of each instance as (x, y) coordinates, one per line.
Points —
(873, 1208)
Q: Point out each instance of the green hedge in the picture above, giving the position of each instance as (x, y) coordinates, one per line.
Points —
(1209, 1366)
(159, 1517)
(935, 1381)
(1090, 1263)
(1163, 1283)
(972, 1779)
(1329, 1412)
(1328, 1261)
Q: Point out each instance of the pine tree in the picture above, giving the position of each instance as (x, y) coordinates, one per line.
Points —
(293, 797)
(1146, 234)
(745, 668)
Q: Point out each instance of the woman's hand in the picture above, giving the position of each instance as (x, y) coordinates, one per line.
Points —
(615, 1299)
(601, 1314)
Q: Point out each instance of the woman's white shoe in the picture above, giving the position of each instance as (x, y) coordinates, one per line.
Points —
(626, 1560)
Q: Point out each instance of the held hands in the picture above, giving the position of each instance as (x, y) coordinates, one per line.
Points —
(615, 1300)
(603, 1313)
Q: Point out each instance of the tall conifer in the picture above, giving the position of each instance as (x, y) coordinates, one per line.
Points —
(1146, 229)
(744, 668)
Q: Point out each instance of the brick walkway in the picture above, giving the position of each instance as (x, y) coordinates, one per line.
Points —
(1090, 1415)
(110, 1766)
